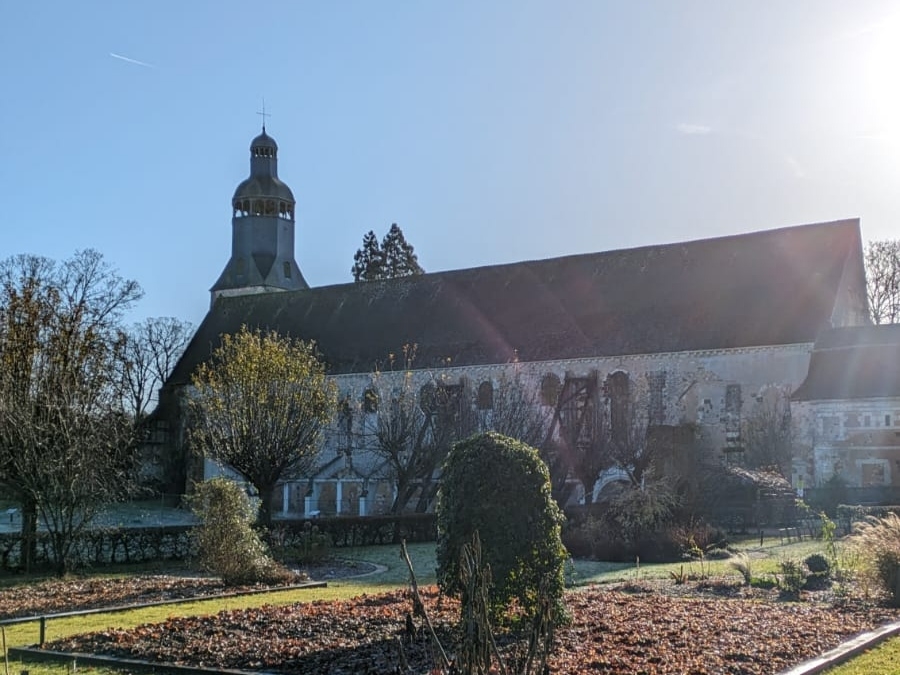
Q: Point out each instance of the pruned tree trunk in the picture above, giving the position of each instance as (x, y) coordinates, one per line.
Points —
(29, 534)
(266, 493)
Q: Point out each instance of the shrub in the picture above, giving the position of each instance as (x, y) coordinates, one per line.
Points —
(877, 540)
(634, 513)
(227, 545)
(500, 488)
(817, 563)
(793, 577)
(819, 567)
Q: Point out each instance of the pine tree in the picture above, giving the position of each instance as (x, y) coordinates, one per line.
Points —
(393, 259)
(368, 262)
(399, 257)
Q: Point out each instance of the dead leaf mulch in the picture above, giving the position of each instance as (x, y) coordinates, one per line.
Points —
(53, 596)
(71, 594)
(612, 632)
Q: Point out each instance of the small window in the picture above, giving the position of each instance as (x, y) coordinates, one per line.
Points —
(427, 398)
(486, 396)
(549, 389)
(370, 401)
(887, 420)
(287, 270)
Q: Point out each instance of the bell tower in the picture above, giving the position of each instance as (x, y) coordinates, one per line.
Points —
(262, 230)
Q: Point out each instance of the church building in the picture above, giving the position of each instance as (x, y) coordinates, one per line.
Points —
(707, 330)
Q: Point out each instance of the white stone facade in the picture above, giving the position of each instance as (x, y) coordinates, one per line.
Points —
(710, 390)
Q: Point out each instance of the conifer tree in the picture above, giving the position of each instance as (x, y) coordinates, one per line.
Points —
(400, 259)
(394, 258)
(368, 262)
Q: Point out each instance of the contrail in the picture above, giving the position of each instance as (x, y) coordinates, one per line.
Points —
(134, 61)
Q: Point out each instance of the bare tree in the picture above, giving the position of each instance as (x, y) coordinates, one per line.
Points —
(259, 406)
(766, 432)
(598, 426)
(513, 409)
(65, 439)
(152, 349)
(412, 429)
(882, 260)
(581, 432)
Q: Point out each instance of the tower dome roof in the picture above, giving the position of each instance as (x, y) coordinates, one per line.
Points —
(263, 141)
(263, 186)
(263, 181)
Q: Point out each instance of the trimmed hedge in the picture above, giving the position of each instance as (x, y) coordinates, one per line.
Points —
(106, 546)
(848, 514)
(360, 530)
(117, 545)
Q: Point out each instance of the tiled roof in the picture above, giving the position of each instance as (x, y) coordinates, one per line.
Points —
(766, 288)
(852, 363)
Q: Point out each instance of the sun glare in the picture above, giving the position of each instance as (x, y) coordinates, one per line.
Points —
(881, 74)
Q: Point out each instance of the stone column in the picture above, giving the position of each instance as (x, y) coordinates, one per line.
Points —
(285, 498)
(339, 496)
(311, 501)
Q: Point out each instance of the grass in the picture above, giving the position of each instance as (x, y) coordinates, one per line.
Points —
(392, 574)
(881, 660)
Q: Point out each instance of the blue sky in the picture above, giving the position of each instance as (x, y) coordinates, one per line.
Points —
(489, 131)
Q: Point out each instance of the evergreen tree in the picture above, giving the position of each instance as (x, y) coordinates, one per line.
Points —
(394, 258)
(399, 258)
(368, 262)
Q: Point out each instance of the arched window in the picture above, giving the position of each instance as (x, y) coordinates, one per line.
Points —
(370, 400)
(486, 395)
(427, 398)
(550, 389)
(618, 388)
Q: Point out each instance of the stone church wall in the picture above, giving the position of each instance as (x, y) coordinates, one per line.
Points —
(713, 391)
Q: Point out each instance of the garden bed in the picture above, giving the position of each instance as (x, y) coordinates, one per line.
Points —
(74, 594)
(629, 628)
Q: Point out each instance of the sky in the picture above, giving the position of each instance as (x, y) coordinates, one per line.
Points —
(491, 132)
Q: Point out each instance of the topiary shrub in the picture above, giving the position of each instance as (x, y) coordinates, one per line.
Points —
(819, 572)
(818, 564)
(227, 545)
(500, 488)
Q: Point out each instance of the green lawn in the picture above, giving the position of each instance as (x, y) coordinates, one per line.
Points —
(394, 575)
(882, 660)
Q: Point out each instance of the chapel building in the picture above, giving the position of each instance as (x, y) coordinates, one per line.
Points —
(706, 332)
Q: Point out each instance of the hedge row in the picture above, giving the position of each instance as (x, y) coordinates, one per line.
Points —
(360, 530)
(848, 514)
(106, 546)
(119, 545)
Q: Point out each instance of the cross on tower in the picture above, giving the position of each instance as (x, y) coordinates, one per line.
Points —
(264, 115)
